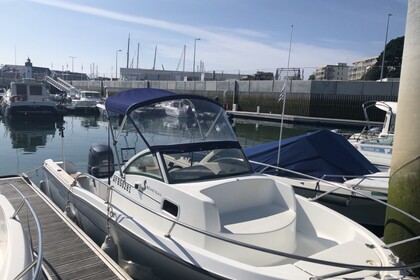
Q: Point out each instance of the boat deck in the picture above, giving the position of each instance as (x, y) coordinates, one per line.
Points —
(68, 252)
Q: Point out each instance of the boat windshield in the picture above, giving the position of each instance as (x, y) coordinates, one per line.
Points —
(91, 94)
(184, 122)
(205, 165)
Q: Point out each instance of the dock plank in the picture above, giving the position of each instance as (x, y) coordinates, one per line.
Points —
(68, 253)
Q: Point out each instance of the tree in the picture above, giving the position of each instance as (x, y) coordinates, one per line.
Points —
(311, 77)
(393, 60)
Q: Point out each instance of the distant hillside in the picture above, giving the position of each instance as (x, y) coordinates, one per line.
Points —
(392, 65)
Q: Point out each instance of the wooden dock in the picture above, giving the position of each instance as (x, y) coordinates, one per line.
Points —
(68, 252)
(299, 119)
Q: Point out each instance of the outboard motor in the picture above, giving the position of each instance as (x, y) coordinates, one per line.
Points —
(101, 161)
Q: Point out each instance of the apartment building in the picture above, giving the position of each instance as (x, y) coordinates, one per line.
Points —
(339, 72)
(360, 68)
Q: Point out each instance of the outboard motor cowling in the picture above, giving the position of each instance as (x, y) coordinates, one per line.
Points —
(101, 161)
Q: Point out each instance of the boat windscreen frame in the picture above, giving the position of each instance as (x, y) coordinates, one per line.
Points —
(163, 96)
(163, 99)
(148, 102)
(382, 105)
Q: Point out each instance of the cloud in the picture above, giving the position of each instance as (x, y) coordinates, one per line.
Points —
(225, 49)
(180, 28)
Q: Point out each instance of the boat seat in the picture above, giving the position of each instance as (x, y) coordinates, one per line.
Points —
(260, 212)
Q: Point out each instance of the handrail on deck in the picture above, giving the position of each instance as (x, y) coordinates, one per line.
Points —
(362, 178)
(38, 257)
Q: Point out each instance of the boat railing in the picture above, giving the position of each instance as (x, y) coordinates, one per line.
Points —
(37, 256)
(349, 267)
(362, 178)
(353, 190)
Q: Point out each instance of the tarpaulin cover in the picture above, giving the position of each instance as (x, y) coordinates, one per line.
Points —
(316, 154)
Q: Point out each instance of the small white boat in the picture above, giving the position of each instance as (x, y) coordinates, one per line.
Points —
(174, 108)
(85, 100)
(28, 98)
(17, 259)
(189, 206)
(376, 144)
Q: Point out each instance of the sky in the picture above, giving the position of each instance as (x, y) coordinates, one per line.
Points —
(236, 36)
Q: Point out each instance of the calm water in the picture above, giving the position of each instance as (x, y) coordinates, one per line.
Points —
(26, 144)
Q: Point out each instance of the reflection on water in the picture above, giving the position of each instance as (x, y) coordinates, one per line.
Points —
(26, 143)
(29, 135)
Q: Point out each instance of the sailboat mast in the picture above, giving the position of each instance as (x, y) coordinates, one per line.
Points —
(138, 51)
(183, 66)
(154, 60)
(128, 49)
(284, 99)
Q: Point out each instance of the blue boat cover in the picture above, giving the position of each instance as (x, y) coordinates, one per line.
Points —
(316, 154)
(122, 102)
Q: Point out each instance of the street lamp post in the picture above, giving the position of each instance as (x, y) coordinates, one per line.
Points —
(116, 64)
(195, 43)
(383, 55)
(72, 63)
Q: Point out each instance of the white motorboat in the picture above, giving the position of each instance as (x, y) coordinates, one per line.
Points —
(17, 257)
(376, 144)
(174, 108)
(85, 100)
(189, 206)
(28, 98)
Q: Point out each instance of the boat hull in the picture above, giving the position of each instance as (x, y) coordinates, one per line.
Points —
(379, 155)
(30, 109)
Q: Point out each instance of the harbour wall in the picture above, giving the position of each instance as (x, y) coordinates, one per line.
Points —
(324, 99)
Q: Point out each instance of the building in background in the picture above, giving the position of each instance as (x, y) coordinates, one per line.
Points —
(13, 72)
(10, 73)
(339, 72)
(140, 74)
(70, 76)
(360, 68)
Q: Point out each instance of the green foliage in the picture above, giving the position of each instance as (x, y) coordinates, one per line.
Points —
(393, 60)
